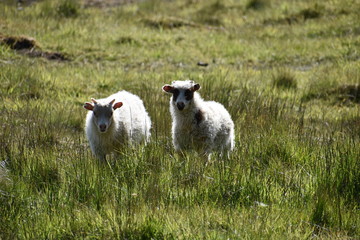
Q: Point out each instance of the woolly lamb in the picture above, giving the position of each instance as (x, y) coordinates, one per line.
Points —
(205, 126)
(118, 120)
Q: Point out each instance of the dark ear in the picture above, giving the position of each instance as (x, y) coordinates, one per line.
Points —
(117, 105)
(167, 88)
(112, 101)
(196, 87)
(88, 106)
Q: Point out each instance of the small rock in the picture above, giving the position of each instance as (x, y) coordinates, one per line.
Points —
(202, 64)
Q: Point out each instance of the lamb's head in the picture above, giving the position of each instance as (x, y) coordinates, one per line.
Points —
(102, 113)
(183, 93)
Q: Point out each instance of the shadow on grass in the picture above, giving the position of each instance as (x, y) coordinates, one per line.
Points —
(150, 229)
(343, 94)
(299, 17)
(167, 23)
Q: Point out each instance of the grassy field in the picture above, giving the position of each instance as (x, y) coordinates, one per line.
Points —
(287, 71)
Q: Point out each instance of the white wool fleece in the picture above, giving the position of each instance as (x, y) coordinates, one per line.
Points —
(205, 126)
(116, 121)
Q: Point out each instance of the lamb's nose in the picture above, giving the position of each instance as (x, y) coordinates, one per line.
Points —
(102, 127)
(180, 105)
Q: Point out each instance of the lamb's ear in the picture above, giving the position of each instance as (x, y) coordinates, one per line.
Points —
(88, 106)
(196, 87)
(111, 102)
(93, 100)
(117, 105)
(167, 88)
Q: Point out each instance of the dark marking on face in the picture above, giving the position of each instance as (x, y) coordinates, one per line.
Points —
(199, 117)
(189, 94)
(175, 93)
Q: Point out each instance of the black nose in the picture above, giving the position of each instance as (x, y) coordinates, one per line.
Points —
(180, 105)
(102, 127)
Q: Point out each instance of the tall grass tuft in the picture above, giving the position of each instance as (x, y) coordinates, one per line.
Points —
(320, 216)
(211, 14)
(150, 229)
(68, 8)
(284, 78)
(255, 4)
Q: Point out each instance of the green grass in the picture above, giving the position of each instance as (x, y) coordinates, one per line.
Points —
(287, 71)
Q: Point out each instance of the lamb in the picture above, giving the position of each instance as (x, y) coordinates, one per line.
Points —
(118, 120)
(204, 126)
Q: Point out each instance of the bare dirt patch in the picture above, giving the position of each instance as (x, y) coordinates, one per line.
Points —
(86, 3)
(107, 3)
(173, 23)
(28, 46)
(48, 55)
(167, 23)
(18, 42)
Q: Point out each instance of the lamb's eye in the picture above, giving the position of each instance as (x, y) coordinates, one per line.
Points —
(175, 93)
(95, 114)
(189, 94)
(110, 114)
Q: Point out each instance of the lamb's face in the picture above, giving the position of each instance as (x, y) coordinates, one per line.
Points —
(183, 93)
(103, 113)
(103, 116)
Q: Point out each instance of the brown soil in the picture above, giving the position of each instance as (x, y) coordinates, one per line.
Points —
(167, 23)
(28, 46)
(107, 3)
(86, 3)
(18, 42)
(48, 55)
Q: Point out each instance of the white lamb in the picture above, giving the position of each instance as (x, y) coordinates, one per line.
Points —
(115, 121)
(205, 126)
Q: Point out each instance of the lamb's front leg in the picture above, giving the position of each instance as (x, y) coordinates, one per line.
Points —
(99, 153)
(101, 156)
(181, 141)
